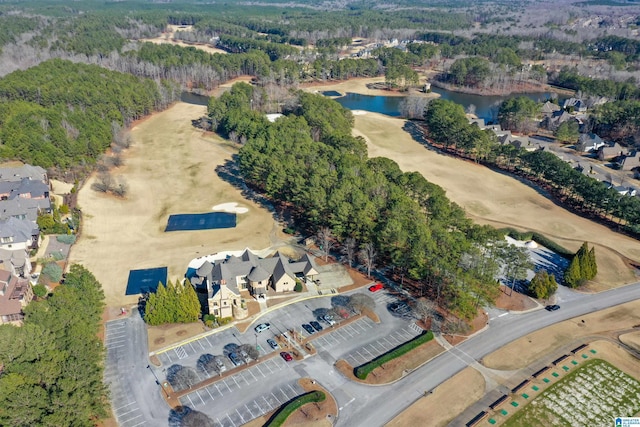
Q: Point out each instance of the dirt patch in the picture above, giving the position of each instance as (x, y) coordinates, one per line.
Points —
(445, 402)
(504, 201)
(514, 301)
(165, 335)
(528, 349)
(199, 46)
(126, 234)
(632, 339)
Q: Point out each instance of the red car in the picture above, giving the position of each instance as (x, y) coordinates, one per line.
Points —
(375, 288)
(286, 356)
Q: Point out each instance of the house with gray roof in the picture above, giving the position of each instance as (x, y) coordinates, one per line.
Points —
(610, 151)
(226, 280)
(578, 105)
(33, 173)
(630, 161)
(548, 108)
(589, 142)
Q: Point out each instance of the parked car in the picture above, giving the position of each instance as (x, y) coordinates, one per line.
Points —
(377, 287)
(328, 319)
(220, 364)
(553, 307)
(244, 356)
(307, 328)
(316, 325)
(262, 327)
(235, 359)
(286, 356)
(273, 344)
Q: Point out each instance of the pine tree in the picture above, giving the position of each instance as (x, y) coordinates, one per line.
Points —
(543, 285)
(190, 305)
(583, 258)
(593, 263)
(572, 275)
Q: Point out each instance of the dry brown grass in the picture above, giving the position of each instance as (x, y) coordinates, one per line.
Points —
(508, 300)
(632, 339)
(359, 85)
(170, 168)
(445, 403)
(166, 335)
(497, 199)
(396, 368)
(528, 349)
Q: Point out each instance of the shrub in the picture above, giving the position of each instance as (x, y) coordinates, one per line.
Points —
(364, 370)
(53, 271)
(67, 239)
(298, 287)
(281, 416)
(40, 291)
(225, 320)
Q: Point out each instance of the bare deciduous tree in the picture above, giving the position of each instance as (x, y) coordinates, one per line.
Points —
(181, 377)
(349, 248)
(325, 241)
(368, 256)
(121, 188)
(359, 302)
(251, 350)
(424, 308)
(103, 182)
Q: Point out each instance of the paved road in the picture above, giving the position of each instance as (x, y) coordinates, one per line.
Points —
(137, 401)
(374, 406)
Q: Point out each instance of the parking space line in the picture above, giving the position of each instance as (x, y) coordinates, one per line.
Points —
(201, 345)
(293, 390)
(249, 410)
(168, 357)
(124, 406)
(270, 370)
(286, 396)
(218, 388)
(240, 415)
(274, 396)
(128, 412)
(139, 424)
(131, 419)
(375, 344)
(260, 370)
(267, 402)
(360, 354)
(365, 349)
(387, 341)
(232, 423)
(209, 393)
(233, 377)
(225, 383)
(254, 377)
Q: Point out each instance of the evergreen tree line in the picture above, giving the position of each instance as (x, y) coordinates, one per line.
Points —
(61, 113)
(447, 125)
(582, 267)
(310, 162)
(52, 367)
(175, 303)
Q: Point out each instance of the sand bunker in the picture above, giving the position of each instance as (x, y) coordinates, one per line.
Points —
(230, 207)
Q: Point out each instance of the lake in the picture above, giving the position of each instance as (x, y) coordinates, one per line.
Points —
(486, 107)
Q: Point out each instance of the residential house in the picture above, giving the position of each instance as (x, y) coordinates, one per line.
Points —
(505, 137)
(630, 161)
(15, 294)
(548, 108)
(226, 280)
(577, 105)
(554, 120)
(610, 151)
(19, 234)
(589, 142)
(33, 173)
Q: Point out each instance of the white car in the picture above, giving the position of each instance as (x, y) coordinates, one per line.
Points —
(262, 327)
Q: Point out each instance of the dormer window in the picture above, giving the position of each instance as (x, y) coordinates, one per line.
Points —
(6, 239)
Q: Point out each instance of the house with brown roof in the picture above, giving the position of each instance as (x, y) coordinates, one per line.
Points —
(227, 279)
(15, 294)
(610, 151)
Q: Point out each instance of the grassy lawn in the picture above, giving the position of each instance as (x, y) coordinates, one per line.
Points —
(592, 395)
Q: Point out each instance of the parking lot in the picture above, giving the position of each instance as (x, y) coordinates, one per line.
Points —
(125, 408)
(382, 345)
(253, 391)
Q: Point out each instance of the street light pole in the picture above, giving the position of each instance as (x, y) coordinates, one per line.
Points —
(158, 380)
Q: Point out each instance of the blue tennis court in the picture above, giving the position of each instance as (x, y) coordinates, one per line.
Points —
(204, 221)
(142, 281)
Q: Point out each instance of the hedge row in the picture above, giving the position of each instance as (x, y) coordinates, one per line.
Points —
(364, 370)
(539, 238)
(281, 416)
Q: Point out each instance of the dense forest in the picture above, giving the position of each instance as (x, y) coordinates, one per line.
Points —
(309, 161)
(61, 114)
(52, 365)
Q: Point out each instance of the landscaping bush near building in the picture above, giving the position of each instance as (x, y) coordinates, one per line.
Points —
(281, 416)
(363, 371)
(67, 239)
(53, 271)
